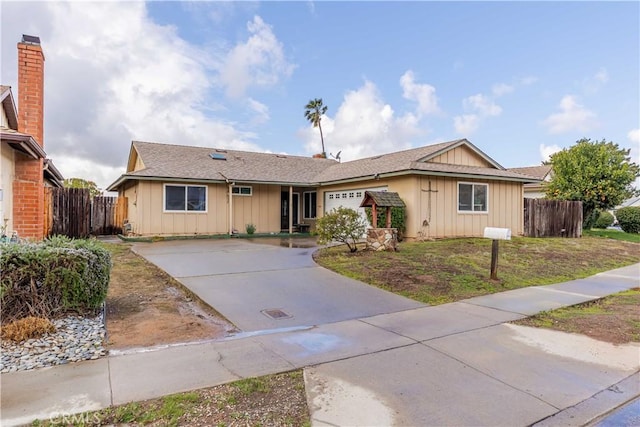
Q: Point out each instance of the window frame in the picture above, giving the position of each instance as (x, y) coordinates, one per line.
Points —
(473, 204)
(314, 206)
(239, 192)
(186, 198)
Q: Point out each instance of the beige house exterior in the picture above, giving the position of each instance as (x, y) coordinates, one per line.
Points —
(542, 173)
(450, 189)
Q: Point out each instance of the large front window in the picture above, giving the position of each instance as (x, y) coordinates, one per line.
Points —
(472, 197)
(185, 198)
(310, 203)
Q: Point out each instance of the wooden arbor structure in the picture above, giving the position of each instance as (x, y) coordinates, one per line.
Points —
(381, 199)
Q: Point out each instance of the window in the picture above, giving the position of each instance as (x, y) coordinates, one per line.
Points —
(238, 190)
(472, 197)
(185, 198)
(310, 203)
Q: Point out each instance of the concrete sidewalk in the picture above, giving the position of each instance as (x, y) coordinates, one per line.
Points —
(453, 364)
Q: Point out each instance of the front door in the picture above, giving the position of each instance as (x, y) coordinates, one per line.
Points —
(284, 209)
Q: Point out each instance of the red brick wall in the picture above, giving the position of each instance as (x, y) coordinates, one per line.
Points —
(28, 186)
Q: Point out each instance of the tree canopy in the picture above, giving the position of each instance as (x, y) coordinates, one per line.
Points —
(600, 174)
(82, 183)
(313, 112)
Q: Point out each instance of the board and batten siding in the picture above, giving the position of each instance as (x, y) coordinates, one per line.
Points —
(147, 216)
(462, 156)
(440, 217)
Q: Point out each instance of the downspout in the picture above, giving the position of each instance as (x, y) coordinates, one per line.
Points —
(230, 192)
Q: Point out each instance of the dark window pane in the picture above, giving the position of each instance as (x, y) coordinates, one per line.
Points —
(465, 197)
(196, 199)
(480, 198)
(310, 205)
(245, 190)
(174, 198)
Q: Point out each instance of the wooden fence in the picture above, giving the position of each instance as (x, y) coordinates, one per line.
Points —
(71, 212)
(552, 218)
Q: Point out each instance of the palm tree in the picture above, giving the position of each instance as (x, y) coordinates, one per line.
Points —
(313, 112)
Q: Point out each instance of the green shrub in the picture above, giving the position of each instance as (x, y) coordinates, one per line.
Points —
(629, 219)
(251, 228)
(341, 225)
(398, 219)
(605, 219)
(52, 278)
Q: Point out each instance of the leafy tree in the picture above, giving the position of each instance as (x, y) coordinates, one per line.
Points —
(597, 173)
(313, 112)
(82, 183)
(341, 225)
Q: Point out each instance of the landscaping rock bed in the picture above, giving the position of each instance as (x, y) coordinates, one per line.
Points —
(75, 339)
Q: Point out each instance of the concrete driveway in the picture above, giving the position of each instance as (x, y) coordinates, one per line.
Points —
(263, 284)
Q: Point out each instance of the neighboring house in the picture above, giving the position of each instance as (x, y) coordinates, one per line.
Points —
(542, 173)
(450, 189)
(24, 167)
(632, 202)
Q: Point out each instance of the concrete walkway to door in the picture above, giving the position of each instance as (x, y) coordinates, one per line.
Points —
(269, 283)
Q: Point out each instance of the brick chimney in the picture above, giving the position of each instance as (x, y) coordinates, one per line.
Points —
(31, 88)
(28, 185)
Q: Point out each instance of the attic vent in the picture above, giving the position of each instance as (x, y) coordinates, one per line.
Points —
(218, 150)
(281, 156)
(376, 157)
(218, 156)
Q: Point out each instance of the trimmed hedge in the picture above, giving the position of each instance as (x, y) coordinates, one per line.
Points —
(605, 219)
(52, 278)
(629, 219)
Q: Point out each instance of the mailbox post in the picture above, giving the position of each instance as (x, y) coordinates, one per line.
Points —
(496, 234)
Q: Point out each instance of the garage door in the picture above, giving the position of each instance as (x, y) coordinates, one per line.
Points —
(348, 198)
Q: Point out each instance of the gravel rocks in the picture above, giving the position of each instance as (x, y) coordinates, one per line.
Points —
(75, 339)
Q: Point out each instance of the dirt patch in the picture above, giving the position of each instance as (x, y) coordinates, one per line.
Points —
(613, 319)
(147, 307)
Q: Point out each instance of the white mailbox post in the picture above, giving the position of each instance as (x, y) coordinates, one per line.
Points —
(496, 234)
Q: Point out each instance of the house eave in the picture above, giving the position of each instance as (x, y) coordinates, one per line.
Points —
(424, 173)
(124, 178)
(24, 143)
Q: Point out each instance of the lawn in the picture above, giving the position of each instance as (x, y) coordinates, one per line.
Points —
(441, 271)
(613, 234)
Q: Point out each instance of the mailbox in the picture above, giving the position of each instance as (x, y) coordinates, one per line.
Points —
(497, 233)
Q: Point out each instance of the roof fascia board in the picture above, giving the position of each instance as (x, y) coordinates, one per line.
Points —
(468, 144)
(12, 114)
(126, 177)
(427, 173)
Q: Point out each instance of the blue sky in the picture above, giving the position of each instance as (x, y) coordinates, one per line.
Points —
(520, 80)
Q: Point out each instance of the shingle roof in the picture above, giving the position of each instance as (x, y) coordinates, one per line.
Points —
(539, 172)
(178, 161)
(382, 198)
(196, 163)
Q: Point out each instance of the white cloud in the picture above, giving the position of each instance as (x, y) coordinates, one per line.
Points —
(478, 107)
(259, 61)
(261, 111)
(634, 135)
(528, 80)
(108, 83)
(547, 150)
(466, 124)
(423, 94)
(363, 125)
(501, 89)
(572, 117)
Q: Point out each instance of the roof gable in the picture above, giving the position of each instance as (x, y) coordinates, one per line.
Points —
(541, 172)
(9, 106)
(463, 153)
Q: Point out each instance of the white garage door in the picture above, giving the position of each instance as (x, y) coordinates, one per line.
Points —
(348, 198)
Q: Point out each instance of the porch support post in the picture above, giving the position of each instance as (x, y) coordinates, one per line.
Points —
(290, 209)
(230, 209)
(374, 215)
(388, 217)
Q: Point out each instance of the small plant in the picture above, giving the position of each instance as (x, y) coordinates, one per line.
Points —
(27, 328)
(629, 219)
(251, 228)
(605, 219)
(341, 225)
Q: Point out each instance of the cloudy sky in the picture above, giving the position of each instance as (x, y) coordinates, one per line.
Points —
(519, 80)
